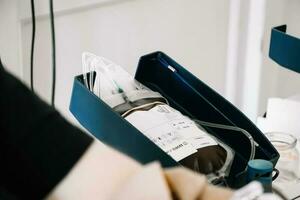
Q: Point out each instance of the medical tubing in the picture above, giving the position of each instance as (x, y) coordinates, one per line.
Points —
(84, 70)
(141, 106)
(53, 53)
(32, 44)
(233, 128)
(91, 75)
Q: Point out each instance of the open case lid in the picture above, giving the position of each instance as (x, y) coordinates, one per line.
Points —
(196, 101)
(194, 98)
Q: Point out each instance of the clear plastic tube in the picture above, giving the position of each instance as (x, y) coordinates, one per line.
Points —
(233, 128)
(220, 177)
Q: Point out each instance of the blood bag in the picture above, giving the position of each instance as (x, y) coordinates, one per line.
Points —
(182, 138)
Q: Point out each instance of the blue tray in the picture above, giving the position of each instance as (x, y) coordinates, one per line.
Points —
(186, 93)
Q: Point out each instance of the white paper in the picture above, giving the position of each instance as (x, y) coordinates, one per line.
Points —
(262, 124)
(283, 115)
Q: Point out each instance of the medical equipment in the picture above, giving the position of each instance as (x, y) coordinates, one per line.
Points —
(53, 53)
(32, 44)
(182, 92)
(53, 49)
(285, 48)
(182, 138)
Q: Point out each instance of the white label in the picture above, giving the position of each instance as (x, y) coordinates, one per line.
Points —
(173, 132)
(142, 94)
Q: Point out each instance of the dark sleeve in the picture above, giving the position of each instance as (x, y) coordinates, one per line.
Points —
(38, 147)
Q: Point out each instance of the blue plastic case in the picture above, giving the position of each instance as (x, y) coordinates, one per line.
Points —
(186, 93)
(285, 49)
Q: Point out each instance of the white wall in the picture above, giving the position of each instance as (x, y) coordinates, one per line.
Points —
(253, 59)
(289, 82)
(275, 80)
(194, 32)
(257, 76)
(10, 49)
